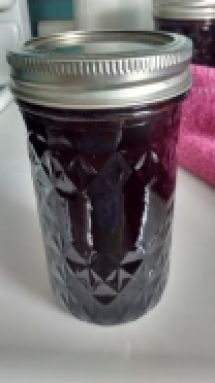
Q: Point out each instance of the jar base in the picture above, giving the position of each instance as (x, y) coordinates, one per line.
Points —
(132, 314)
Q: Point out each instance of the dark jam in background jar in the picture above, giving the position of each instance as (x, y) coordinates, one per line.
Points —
(193, 19)
(105, 181)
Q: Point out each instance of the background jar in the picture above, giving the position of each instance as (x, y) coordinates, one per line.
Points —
(195, 19)
(102, 111)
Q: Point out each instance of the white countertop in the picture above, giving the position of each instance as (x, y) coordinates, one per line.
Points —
(41, 343)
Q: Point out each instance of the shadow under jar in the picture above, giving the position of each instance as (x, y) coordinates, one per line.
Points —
(195, 19)
(102, 111)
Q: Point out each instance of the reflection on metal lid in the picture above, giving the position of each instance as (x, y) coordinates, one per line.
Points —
(101, 69)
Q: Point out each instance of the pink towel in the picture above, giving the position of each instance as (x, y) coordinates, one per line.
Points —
(196, 149)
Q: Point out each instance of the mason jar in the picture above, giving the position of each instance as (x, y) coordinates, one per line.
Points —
(102, 112)
(195, 19)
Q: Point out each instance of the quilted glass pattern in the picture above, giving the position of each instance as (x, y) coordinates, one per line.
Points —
(105, 185)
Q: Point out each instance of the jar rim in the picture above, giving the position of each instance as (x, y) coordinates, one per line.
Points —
(184, 10)
(101, 69)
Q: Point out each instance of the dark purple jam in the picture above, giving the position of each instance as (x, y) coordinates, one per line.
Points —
(105, 183)
(201, 32)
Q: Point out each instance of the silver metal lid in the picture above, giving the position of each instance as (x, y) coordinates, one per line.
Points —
(184, 9)
(101, 69)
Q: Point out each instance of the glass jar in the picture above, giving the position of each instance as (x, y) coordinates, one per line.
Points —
(195, 19)
(102, 111)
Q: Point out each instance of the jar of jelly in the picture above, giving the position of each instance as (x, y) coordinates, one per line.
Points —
(102, 112)
(195, 19)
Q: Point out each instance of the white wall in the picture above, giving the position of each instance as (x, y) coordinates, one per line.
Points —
(113, 14)
(14, 30)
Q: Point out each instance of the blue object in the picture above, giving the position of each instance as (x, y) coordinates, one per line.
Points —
(48, 10)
